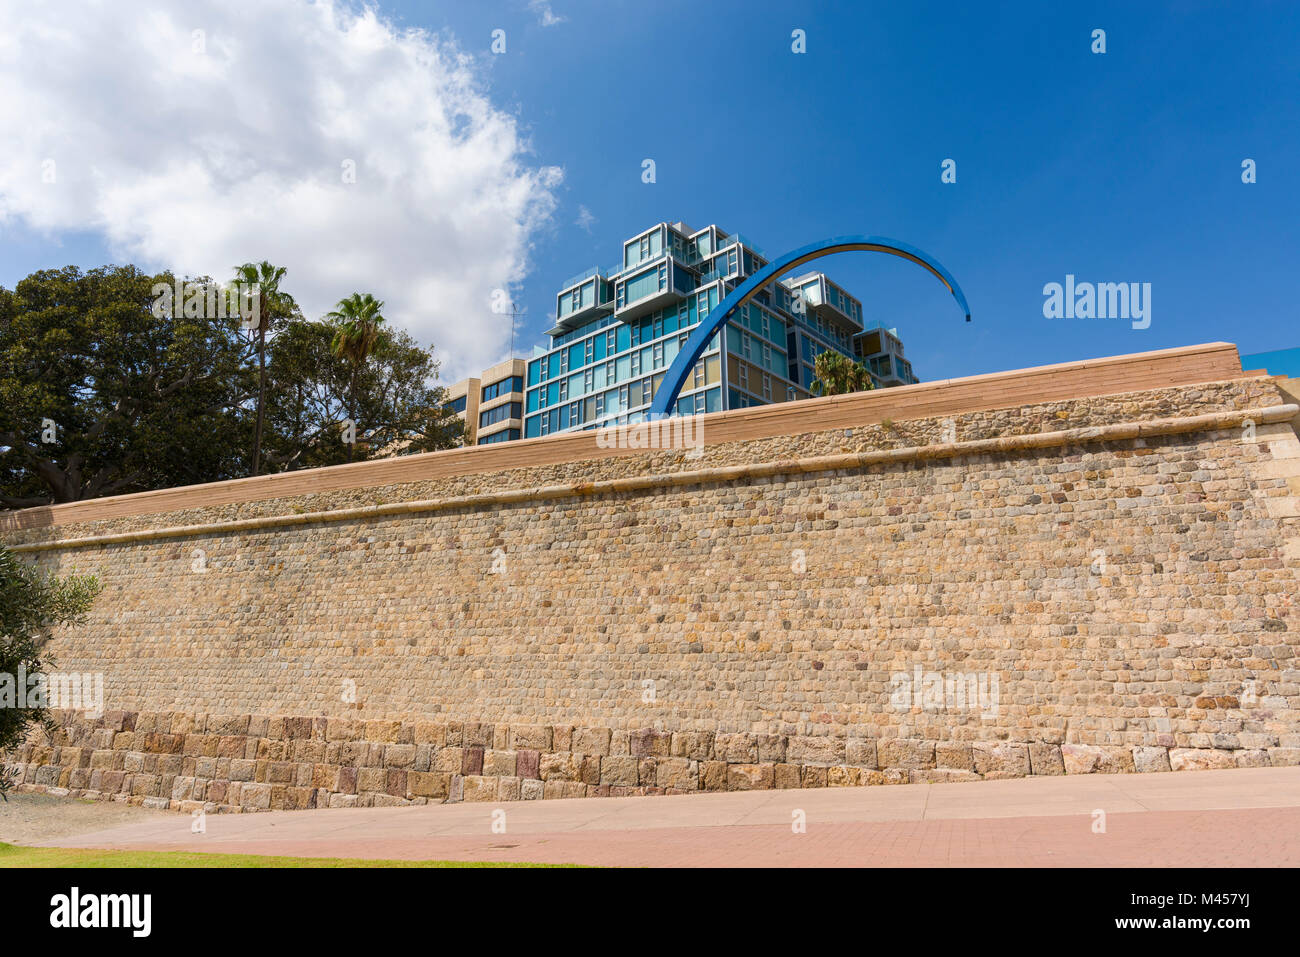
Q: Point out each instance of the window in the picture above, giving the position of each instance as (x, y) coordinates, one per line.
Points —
(611, 342)
(699, 374)
(767, 386)
(636, 363)
(699, 402)
(681, 340)
(503, 387)
(564, 360)
(658, 355)
(458, 404)
(589, 351)
(600, 405)
(546, 423)
(588, 380)
(744, 375)
(510, 410)
(767, 355)
(746, 344)
(647, 392)
(609, 372)
(505, 435)
(575, 414)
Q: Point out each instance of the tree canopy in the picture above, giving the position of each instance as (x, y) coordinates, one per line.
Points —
(837, 374)
(99, 395)
(102, 393)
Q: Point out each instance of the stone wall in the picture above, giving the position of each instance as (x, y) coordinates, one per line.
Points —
(1112, 599)
(232, 763)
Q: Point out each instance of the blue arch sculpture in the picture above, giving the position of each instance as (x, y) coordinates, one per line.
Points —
(665, 401)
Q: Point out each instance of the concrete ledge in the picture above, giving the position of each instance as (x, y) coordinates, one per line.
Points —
(1123, 431)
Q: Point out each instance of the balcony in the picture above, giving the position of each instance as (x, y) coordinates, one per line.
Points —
(818, 296)
(589, 298)
(648, 290)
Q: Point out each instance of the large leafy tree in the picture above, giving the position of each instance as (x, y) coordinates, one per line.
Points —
(31, 603)
(273, 306)
(837, 374)
(391, 398)
(142, 400)
(132, 398)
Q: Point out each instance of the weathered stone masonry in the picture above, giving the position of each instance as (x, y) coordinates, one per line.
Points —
(1131, 586)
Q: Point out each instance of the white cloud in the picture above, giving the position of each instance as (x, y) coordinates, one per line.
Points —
(545, 15)
(198, 160)
(585, 220)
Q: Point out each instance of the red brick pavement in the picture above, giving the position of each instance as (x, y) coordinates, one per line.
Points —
(1223, 838)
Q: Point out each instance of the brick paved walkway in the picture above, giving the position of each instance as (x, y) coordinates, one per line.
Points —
(1210, 818)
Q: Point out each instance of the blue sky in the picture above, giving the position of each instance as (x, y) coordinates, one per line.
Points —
(1115, 167)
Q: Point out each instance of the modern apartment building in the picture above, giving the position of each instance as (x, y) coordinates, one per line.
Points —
(618, 329)
(491, 404)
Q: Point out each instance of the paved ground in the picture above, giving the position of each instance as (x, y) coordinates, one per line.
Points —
(1209, 818)
(32, 818)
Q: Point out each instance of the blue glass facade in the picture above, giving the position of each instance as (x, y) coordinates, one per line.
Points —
(617, 330)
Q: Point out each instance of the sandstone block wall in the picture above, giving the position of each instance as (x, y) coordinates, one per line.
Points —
(233, 763)
(1093, 605)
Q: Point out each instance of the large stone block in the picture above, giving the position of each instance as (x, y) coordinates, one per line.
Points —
(1046, 759)
(449, 760)
(861, 753)
(560, 766)
(816, 750)
(1000, 758)
(499, 763)
(1087, 759)
(680, 773)
(647, 743)
(431, 784)
(1200, 759)
(906, 754)
(1150, 759)
(750, 777)
(735, 748)
(696, 745)
(530, 737)
(480, 788)
(591, 740)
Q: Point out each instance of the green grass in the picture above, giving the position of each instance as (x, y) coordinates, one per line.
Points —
(14, 856)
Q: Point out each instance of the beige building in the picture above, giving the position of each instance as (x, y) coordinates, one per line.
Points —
(492, 404)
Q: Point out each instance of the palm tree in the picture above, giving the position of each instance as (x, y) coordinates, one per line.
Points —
(358, 320)
(837, 374)
(266, 279)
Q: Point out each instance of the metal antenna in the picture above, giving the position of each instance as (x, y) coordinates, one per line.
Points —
(515, 313)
